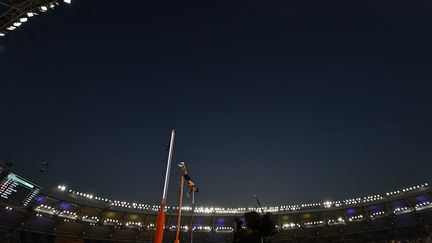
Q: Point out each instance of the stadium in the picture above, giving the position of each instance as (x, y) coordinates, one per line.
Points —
(310, 129)
(62, 214)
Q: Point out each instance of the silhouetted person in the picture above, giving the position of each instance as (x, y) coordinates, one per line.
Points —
(252, 233)
(268, 227)
(191, 186)
(259, 228)
(239, 231)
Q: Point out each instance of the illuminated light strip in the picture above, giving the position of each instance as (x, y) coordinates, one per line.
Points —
(339, 220)
(314, 223)
(290, 226)
(325, 204)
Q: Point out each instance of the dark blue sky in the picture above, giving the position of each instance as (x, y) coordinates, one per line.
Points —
(296, 102)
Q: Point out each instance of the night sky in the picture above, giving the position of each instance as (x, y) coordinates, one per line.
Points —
(294, 102)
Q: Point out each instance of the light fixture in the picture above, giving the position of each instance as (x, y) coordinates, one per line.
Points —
(22, 20)
(67, 1)
(30, 14)
(2, 34)
(43, 8)
(11, 28)
(17, 24)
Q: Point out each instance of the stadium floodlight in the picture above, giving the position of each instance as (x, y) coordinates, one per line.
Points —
(61, 188)
(2, 34)
(19, 13)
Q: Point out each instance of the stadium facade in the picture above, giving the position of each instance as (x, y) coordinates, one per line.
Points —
(66, 215)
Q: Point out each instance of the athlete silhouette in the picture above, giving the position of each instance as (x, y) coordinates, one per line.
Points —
(192, 187)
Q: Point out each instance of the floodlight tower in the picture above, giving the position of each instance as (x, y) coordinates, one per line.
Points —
(13, 13)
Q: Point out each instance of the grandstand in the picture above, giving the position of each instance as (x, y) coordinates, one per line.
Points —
(14, 13)
(61, 214)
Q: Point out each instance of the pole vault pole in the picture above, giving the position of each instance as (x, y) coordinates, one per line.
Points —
(179, 210)
(161, 215)
(193, 210)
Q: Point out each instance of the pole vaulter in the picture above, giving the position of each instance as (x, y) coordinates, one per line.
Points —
(161, 214)
(192, 188)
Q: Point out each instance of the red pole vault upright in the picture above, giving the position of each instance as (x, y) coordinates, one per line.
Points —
(161, 215)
